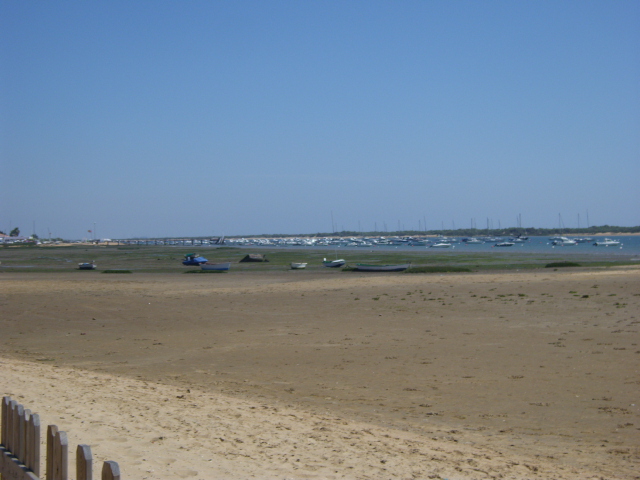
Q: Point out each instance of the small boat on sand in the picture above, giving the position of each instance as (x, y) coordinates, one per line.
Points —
(87, 266)
(221, 267)
(363, 267)
(191, 259)
(334, 263)
(298, 265)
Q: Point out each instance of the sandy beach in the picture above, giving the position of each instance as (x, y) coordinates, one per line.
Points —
(531, 374)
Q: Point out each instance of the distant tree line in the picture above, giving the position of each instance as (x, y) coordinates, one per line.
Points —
(13, 233)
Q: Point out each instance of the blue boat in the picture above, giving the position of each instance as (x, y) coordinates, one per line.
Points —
(191, 259)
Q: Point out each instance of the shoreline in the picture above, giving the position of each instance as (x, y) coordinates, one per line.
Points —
(532, 368)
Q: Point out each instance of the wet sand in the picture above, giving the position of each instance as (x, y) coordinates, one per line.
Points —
(301, 374)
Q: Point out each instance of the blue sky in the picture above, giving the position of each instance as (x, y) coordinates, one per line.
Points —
(166, 118)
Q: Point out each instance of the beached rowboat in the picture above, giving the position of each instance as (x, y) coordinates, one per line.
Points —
(363, 267)
(223, 267)
(298, 265)
(334, 263)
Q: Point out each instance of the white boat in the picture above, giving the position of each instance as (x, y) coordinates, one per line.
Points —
(607, 242)
(441, 245)
(473, 241)
(222, 267)
(334, 263)
(87, 266)
(298, 265)
(564, 242)
(504, 244)
(362, 267)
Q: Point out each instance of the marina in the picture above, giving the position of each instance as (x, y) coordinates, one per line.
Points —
(623, 244)
(616, 244)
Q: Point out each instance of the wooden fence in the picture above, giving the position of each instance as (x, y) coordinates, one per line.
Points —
(20, 449)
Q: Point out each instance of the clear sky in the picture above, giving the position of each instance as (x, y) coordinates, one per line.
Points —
(169, 118)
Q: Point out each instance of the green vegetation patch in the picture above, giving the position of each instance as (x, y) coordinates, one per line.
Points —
(561, 264)
(165, 259)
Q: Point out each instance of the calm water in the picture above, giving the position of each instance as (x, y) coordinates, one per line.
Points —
(630, 247)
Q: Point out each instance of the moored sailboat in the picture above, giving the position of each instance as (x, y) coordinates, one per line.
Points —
(607, 242)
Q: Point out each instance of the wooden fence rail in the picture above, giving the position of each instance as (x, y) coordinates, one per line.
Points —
(20, 449)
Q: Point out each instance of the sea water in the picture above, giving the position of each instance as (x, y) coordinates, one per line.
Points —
(629, 248)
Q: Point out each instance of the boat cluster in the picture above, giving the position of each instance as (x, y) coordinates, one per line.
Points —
(192, 259)
(570, 242)
(370, 242)
(367, 242)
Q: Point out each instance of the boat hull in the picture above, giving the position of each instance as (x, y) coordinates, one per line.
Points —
(298, 266)
(221, 267)
(334, 263)
(607, 243)
(87, 266)
(566, 243)
(361, 267)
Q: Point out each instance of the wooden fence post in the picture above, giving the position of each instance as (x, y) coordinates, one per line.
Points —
(18, 431)
(51, 435)
(24, 423)
(20, 449)
(33, 444)
(5, 420)
(84, 468)
(16, 441)
(110, 471)
(61, 457)
(10, 427)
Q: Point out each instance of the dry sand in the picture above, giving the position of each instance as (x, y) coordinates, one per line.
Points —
(333, 375)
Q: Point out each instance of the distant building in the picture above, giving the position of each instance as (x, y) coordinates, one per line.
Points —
(8, 239)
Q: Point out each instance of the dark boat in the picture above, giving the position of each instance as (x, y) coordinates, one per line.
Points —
(191, 259)
(362, 267)
(334, 263)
